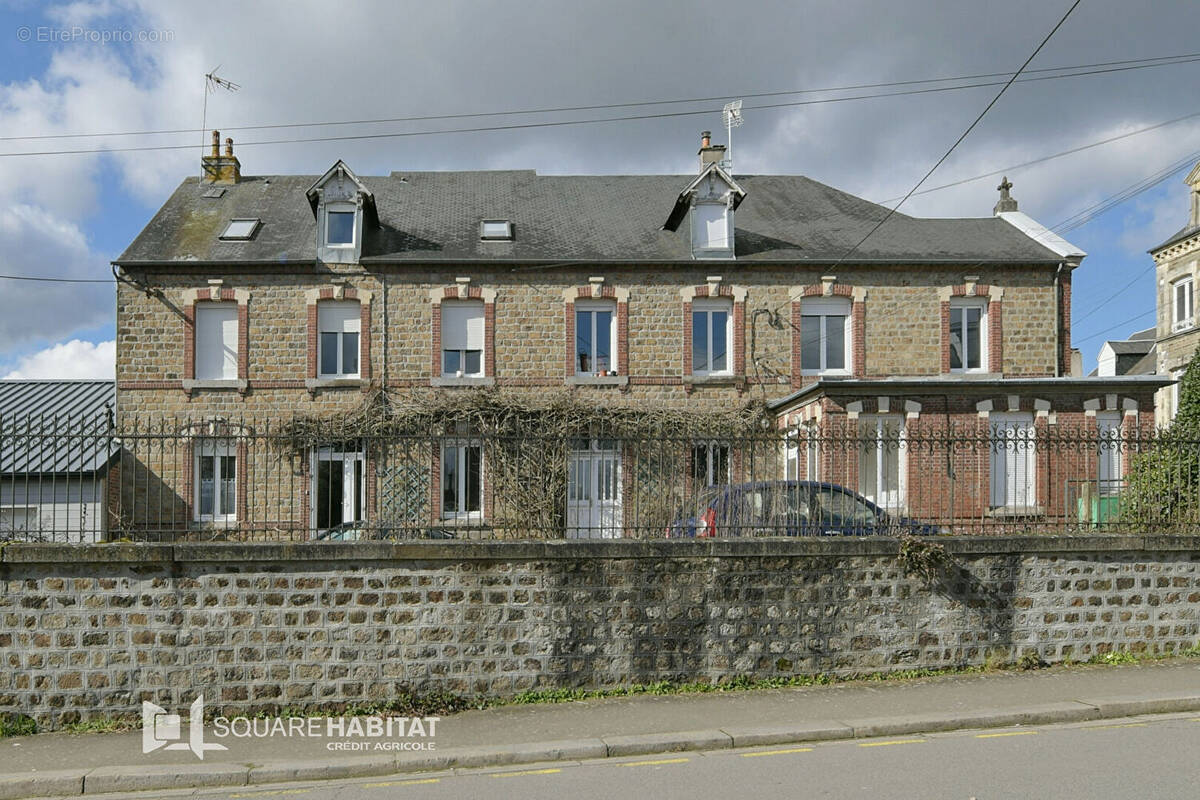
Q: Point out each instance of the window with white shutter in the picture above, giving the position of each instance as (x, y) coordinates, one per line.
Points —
(462, 339)
(1108, 452)
(216, 341)
(1013, 461)
(339, 325)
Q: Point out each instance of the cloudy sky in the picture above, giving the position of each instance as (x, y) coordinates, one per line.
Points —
(120, 67)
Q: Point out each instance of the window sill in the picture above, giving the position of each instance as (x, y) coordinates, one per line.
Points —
(474, 380)
(233, 384)
(598, 380)
(1016, 511)
(975, 375)
(313, 384)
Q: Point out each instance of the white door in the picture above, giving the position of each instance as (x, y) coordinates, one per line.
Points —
(594, 490)
(337, 487)
(1108, 424)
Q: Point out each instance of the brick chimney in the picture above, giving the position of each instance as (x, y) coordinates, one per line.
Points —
(709, 153)
(219, 168)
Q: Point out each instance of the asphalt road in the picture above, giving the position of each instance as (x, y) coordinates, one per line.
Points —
(1147, 757)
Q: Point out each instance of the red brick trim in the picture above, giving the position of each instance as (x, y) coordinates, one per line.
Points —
(1065, 330)
(189, 482)
(435, 483)
(369, 489)
(995, 326)
(364, 335)
(241, 461)
(797, 368)
(858, 345)
(995, 336)
(945, 317)
(189, 341)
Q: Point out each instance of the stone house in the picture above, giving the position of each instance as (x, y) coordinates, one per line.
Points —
(253, 298)
(1176, 271)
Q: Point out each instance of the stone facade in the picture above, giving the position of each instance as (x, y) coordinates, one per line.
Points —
(91, 631)
(1177, 339)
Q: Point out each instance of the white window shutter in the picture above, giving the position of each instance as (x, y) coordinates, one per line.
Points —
(710, 226)
(462, 326)
(339, 317)
(216, 341)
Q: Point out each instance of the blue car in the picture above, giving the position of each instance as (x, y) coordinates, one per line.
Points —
(789, 508)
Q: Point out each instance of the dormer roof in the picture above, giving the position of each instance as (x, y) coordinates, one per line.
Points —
(684, 201)
(341, 172)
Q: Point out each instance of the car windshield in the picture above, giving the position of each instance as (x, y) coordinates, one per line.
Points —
(843, 508)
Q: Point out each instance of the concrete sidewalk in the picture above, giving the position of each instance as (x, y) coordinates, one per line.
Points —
(63, 765)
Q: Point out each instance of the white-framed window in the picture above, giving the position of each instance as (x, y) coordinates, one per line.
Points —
(825, 335)
(710, 463)
(216, 350)
(710, 227)
(812, 453)
(712, 336)
(496, 230)
(968, 335)
(462, 339)
(883, 460)
(216, 481)
(339, 324)
(339, 489)
(340, 224)
(1013, 461)
(1182, 309)
(462, 479)
(1108, 452)
(595, 337)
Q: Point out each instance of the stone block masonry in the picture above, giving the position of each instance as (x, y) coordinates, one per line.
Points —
(91, 631)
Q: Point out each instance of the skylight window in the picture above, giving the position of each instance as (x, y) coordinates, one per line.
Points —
(499, 229)
(240, 229)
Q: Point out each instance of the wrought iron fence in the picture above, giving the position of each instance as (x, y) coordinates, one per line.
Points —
(176, 480)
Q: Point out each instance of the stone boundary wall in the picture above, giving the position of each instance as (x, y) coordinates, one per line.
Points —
(92, 630)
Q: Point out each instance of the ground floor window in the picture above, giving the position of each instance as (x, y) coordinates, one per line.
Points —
(338, 487)
(462, 479)
(710, 464)
(1013, 459)
(18, 518)
(216, 481)
(883, 460)
(1108, 452)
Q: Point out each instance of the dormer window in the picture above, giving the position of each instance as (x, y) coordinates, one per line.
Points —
(710, 227)
(339, 227)
(496, 230)
(240, 229)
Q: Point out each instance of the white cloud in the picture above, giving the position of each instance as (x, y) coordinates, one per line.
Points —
(73, 359)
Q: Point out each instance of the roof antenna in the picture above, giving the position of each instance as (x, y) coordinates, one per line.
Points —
(211, 83)
(732, 114)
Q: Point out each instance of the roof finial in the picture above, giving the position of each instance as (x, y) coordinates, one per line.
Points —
(1006, 203)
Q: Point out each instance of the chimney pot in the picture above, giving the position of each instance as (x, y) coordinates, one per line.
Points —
(217, 168)
(229, 147)
(216, 143)
(706, 138)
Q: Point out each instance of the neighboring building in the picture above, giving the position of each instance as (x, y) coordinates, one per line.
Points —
(251, 298)
(58, 466)
(1135, 355)
(1177, 269)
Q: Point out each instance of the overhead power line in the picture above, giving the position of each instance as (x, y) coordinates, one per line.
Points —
(1114, 327)
(551, 123)
(1091, 69)
(963, 136)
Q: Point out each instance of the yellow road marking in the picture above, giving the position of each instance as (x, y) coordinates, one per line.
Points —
(400, 783)
(1008, 733)
(777, 752)
(656, 762)
(1124, 725)
(894, 741)
(525, 772)
(272, 793)
(1194, 719)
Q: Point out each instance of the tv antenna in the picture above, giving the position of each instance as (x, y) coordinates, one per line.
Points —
(212, 82)
(732, 114)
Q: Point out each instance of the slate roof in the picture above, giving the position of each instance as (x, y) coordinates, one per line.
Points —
(1184, 233)
(55, 426)
(435, 216)
(1124, 347)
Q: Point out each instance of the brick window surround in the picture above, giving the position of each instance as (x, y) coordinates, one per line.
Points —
(217, 432)
(215, 294)
(995, 322)
(314, 296)
(737, 295)
(597, 291)
(463, 291)
(829, 287)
